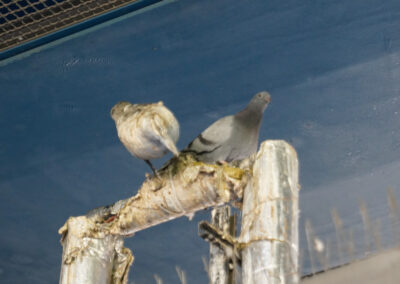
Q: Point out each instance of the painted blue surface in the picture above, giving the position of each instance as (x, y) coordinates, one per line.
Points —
(332, 68)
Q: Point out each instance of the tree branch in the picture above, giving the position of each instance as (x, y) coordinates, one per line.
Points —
(183, 187)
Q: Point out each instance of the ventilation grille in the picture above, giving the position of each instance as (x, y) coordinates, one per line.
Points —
(25, 20)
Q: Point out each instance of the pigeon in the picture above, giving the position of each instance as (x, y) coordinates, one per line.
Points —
(148, 131)
(232, 137)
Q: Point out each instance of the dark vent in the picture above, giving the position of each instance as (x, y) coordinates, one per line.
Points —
(24, 20)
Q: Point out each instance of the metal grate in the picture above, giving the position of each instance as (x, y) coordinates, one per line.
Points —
(25, 20)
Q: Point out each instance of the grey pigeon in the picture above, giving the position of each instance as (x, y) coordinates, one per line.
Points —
(148, 131)
(232, 137)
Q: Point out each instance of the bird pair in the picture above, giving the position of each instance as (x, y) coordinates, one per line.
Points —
(149, 131)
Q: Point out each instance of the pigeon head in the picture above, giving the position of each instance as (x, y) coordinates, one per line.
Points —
(119, 109)
(259, 102)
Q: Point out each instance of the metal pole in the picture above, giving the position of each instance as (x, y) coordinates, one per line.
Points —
(269, 233)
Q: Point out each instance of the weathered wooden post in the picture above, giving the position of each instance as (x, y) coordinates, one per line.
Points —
(219, 260)
(269, 234)
(93, 249)
(93, 260)
(224, 252)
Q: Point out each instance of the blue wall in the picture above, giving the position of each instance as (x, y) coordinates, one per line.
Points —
(332, 68)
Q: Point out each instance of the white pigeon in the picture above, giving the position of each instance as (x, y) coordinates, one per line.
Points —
(232, 137)
(148, 131)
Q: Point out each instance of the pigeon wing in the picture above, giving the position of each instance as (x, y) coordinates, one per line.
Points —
(214, 137)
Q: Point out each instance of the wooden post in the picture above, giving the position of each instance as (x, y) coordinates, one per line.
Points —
(235, 258)
(219, 261)
(93, 249)
(93, 260)
(269, 235)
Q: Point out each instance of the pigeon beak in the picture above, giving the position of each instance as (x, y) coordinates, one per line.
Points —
(268, 99)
